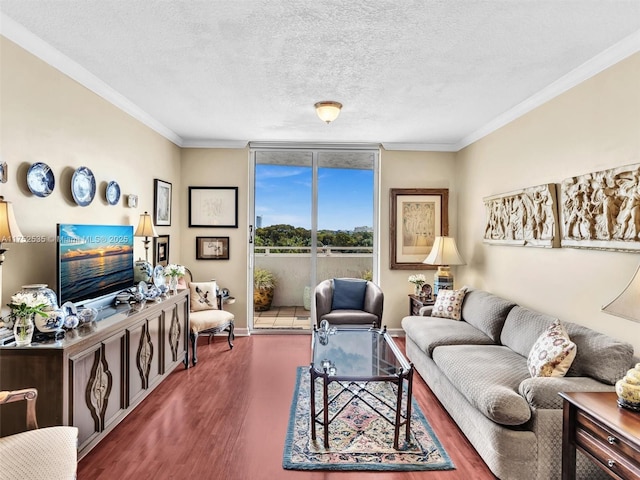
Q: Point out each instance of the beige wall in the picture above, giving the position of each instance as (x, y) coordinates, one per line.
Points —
(218, 168)
(410, 170)
(592, 127)
(47, 117)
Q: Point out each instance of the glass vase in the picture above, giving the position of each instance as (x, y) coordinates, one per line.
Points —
(23, 330)
(418, 290)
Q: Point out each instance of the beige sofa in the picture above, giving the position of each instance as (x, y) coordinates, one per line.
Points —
(477, 367)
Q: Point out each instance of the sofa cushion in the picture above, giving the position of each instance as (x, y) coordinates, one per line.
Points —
(598, 355)
(486, 312)
(359, 317)
(522, 329)
(449, 304)
(552, 354)
(348, 294)
(488, 376)
(430, 332)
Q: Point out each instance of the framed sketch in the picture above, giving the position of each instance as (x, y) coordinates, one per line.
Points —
(417, 217)
(161, 250)
(213, 207)
(161, 202)
(212, 248)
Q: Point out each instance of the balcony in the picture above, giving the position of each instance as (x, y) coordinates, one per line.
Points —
(292, 268)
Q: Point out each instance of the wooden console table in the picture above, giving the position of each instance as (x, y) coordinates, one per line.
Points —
(607, 434)
(99, 372)
(416, 303)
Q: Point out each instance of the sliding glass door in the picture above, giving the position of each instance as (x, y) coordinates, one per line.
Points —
(315, 214)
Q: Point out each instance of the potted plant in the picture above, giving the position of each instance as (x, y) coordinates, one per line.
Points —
(264, 283)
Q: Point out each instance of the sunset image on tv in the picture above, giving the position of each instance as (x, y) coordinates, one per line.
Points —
(93, 260)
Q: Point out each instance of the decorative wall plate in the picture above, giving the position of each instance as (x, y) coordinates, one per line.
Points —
(40, 179)
(113, 193)
(83, 186)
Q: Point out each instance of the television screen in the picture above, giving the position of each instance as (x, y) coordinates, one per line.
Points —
(93, 260)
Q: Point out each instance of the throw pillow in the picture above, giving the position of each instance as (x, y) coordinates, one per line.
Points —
(552, 354)
(203, 296)
(449, 304)
(348, 294)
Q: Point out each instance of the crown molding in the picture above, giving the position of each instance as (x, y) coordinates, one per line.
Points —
(614, 54)
(15, 32)
(204, 143)
(421, 147)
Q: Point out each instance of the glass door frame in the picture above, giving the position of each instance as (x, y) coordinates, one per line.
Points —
(315, 150)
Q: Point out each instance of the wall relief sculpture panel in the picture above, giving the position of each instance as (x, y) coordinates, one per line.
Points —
(601, 210)
(525, 217)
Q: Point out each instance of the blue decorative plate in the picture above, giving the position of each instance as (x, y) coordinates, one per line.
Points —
(83, 186)
(113, 193)
(40, 179)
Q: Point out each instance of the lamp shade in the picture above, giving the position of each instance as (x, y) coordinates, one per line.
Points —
(627, 304)
(9, 230)
(444, 252)
(145, 227)
(328, 111)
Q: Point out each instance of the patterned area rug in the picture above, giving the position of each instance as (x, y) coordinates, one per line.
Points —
(359, 439)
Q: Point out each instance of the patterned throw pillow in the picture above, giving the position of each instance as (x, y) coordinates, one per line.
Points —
(449, 304)
(203, 296)
(552, 354)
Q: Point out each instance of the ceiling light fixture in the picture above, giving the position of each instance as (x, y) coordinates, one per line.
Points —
(328, 111)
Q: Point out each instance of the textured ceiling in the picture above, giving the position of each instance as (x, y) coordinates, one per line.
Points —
(422, 73)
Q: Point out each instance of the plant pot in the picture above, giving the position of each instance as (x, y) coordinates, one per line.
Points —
(262, 298)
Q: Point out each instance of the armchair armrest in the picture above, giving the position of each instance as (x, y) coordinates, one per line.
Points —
(28, 394)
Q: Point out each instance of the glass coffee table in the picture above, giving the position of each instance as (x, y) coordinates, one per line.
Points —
(356, 358)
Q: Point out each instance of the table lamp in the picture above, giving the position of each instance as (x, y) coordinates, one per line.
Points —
(443, 254)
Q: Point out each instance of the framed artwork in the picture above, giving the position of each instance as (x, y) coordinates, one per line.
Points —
(161, 203)
(213, 207)
(212, 248)
(417, 217)
(161, 250)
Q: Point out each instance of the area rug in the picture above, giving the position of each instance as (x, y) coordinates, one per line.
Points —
(359, 439)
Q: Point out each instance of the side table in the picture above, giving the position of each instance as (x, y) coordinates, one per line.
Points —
(607, 434)
(416, 303)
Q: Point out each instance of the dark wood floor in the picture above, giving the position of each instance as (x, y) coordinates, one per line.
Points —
(227, 419)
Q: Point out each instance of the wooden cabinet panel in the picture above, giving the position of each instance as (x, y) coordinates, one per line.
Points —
(95, 375)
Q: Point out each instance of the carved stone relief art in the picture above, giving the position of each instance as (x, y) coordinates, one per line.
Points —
(601, 210)
(524, 217)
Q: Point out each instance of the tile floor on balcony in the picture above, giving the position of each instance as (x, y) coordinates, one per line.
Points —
(283, 317)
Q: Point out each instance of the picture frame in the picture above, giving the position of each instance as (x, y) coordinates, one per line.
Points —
(161, 250)
(417, 216)
(212, 248)
(161, 202)
(215, 207)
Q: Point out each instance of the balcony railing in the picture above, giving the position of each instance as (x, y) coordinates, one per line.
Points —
(292, 268)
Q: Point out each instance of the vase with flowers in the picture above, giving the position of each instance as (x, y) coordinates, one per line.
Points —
(174, 272)
(418, 281)
(23, 308)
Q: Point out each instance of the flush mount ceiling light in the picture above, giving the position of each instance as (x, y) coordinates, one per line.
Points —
(328, 111)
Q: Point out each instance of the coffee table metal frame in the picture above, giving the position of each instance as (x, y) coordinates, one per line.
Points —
(356, 387)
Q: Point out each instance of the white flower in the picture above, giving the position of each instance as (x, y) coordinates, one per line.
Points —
(23, 304)
(173, 270)
(417, 279)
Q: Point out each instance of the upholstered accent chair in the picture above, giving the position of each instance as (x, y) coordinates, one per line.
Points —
(206, 313)
(348, 301)
(48, 453)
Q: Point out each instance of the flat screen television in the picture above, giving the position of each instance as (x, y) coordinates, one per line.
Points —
(93, 261)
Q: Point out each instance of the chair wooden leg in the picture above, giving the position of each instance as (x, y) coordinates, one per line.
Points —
(194, 343)
(231, 335)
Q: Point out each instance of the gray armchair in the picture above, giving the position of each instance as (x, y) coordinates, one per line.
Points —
(348, 301)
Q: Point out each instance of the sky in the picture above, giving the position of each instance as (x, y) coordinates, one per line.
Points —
(283, 196)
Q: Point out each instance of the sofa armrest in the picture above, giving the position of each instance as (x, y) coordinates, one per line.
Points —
(542, 392)
(425, 311)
